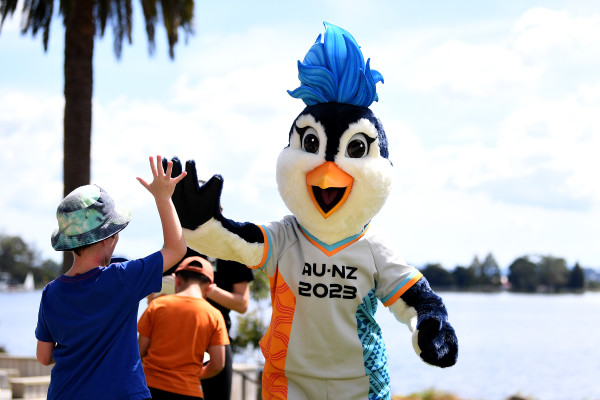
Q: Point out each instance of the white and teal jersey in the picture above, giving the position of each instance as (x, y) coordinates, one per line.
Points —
(324, 301)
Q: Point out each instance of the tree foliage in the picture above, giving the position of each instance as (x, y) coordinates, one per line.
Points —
(464, 277)
(17, 259)
(486, 274)
(553, 273)
(547, 274)
(175, 14)
(490, 272)
(576, 279)
(438, 276)
(523, 275)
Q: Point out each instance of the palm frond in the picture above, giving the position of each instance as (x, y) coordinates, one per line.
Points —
(151, 17)
(175, 14)
(7, 7)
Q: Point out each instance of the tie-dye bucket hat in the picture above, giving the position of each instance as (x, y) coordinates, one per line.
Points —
(87, 215)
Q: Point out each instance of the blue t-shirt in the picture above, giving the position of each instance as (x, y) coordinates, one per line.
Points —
(92, 318)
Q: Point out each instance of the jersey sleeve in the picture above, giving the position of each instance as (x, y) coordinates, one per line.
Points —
(220, 336)
(394, 276)
(278, 236)
(142, 276)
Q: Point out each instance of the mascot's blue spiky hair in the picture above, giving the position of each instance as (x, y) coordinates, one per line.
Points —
(335, 71)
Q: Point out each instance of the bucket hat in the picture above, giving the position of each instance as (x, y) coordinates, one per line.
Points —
(198, 265)
(87, 215)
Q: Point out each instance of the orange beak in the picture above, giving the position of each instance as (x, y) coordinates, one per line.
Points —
(329, 187)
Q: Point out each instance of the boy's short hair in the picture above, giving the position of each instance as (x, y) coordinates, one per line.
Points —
(85, 216)
(193, 276)
(80, 249)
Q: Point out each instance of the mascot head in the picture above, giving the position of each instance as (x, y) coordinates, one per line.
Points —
(335, 175)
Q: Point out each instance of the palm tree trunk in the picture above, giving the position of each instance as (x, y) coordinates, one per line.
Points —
(79, 53)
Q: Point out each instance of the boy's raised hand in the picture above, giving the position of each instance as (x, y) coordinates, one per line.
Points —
(162, 185)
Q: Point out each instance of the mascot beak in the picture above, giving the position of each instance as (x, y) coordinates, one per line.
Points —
(329, 187)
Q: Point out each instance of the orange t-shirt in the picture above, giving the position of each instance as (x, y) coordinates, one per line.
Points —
(180, 330)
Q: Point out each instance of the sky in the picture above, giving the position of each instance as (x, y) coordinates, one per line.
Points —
(492, 112)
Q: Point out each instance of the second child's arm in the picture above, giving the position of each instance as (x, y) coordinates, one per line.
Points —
(162, 187)
(216, 362)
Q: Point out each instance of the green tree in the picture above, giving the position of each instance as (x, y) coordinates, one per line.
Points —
(553, 273)
(487, 274)
(48, 270)
(438, 276)
(464, 277)
(576, 279)
(523, 275)
(83, 21)
(17, 259)
(490, 272)
(475, 268)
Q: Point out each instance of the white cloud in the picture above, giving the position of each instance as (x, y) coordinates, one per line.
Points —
(557, 35)
(493, 140)
(31, 135)
(458, 69)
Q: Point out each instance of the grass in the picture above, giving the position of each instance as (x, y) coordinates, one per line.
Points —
(432, 394)
(429, 394)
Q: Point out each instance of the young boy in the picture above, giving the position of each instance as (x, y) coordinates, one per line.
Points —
(87, 317)
(176, 330)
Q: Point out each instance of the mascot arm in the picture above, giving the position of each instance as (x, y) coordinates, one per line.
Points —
(424, 312)
(205, 229)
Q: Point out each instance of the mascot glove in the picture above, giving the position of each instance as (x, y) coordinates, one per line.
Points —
(195, 204)
(436, 343)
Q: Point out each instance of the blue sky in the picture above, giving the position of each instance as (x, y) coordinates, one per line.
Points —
(491, 110)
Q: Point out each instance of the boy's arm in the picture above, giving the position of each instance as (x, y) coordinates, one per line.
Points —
(216, 362)
(44, 352)
(143, 343)
(162, 187)
(174, 247)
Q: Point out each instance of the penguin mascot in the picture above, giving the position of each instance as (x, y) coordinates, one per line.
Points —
(326, 267)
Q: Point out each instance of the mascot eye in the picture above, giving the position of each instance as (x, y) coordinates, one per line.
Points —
(358, 146)
(310, 141)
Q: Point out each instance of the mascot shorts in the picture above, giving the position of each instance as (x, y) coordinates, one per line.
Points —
(300, 387)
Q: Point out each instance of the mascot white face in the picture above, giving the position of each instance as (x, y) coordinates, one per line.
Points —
(334, 176)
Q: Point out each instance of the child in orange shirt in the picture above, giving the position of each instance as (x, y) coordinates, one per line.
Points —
(176, 330)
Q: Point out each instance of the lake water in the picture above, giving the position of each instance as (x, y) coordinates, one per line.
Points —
(544, 346)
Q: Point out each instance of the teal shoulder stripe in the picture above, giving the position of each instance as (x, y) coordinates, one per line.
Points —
(269, 244)
(400, 286)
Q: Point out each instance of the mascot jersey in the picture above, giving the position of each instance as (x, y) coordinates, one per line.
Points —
(324, 300)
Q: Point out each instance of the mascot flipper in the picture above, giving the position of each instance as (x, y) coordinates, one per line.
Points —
(326, 266)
